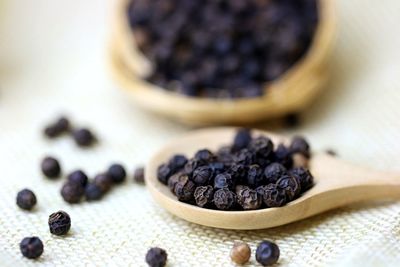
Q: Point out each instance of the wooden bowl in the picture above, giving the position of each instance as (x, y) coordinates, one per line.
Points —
(292, 92)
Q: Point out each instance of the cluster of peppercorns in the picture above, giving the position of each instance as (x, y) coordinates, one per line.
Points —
(224, 48)
(83, 136)
(267, 253)
(247, 175)
(59, 224)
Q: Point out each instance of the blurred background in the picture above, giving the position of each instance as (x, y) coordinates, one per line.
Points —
(54, 59)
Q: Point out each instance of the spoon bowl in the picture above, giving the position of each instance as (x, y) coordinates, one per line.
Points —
(337, 184)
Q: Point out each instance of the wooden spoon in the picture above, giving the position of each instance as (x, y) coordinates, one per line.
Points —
(337, 183)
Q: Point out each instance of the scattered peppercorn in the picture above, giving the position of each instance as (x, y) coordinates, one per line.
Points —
(61, 126)
(78, 177)
(267, 253)
(240, 253)
(93, 192)
(250, 176)
(50, 167)
(59, 223)
(138, 175)
(72, 192)
(84, 137)
(156, 257)
(31, 247)
(103, 181)
(26, 199)
(331, 152)
(117, 173)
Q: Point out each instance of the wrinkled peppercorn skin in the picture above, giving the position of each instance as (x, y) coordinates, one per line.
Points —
(290, 186)
(272, 196)
(304, 177)
(274, 171)
(59, 223)
(248, 198)
(224, 199)
(203, 195)
(184, 189)
(202, 175)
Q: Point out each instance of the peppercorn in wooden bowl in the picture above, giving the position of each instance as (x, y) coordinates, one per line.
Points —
(292, 91)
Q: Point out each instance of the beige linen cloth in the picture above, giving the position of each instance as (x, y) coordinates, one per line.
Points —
(53, 60)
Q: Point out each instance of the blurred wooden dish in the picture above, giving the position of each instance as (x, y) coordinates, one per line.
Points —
(337, 184)
(293, 92)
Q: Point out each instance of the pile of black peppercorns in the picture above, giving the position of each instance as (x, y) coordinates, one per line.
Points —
(221, 48)
(249, 174)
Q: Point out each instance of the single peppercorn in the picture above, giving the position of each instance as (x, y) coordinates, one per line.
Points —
(203, 195)
(331, 152)
(248, 198)
(26, 199)
(62, 125)
(223, 180)
(191, 166)
(84, 137)
(202, 175)
(267, 253)
(272, 195)
(174, 179)
(177, 162)
(244, 157)
(241, 139)
(103, 181)
(262, 146)
(93, 192)
(184, 189)
(51, 131)
(59, 223)
(50, 167)
(204, 155)
(255, 176)
(240, 253)
(156, 257)
(290, 185)
(304, 177)
(274, 171)
(283, 155)
(300, 145)
(78, 177)
(224, 199)
(72, 192)
(163, 173)
(138, 175)
(117, 173)
(31, 247)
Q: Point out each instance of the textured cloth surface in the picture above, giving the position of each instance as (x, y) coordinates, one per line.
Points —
(53, 60)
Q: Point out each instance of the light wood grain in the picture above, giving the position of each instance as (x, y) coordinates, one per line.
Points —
(337, 184)
(291, 93)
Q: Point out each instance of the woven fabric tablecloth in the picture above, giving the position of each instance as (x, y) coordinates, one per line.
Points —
(53, 60)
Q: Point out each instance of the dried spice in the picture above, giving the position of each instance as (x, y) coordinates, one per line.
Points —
(31, 247)
(84, 137)
(241, 140)
(290, 185)
(59, 223)
(78, 177)
(240, 253)
(300, 145)
(26, 199)
(103, 181)
(252, 177)
(156, 257)
(117, 173)
(138, 175)
(223, 49)
(61, 126)
(267, 253)
(203, 195)
(93, 192)
(50, 167)
(224, 199)
(248, 198)
(72, 193)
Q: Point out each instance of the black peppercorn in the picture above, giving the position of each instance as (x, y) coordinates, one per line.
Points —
(223, 180)
(272, 195)
(204, 155)
(26, 199)
(224, 154)
(51, 131)
(84, 137)
(72, 192)
(255, 176)
(117, 173)
(103, 181)
(138, 175)
(78, 177)
(300, 145)
(273, 172)
(174, 179)
(156, 257)
(267, 253)
(248, 198)
(203, 195)
(62, 125)
(184, 189)
(262, 146)
(245, 157)
(224, 199)
(50, 167)
(283, 155)
(177, 162)
(304, 177)
(93, 192)
(191, 165)
(202, 175)
(290, 185)
(59, 223)
(31, 247)
(217, 167)
(242, 139)
(163, 173)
